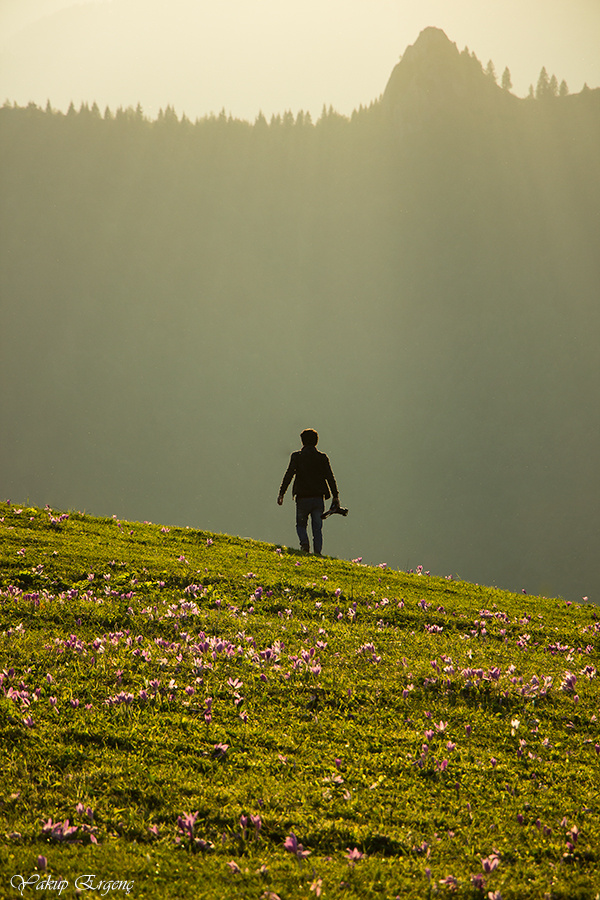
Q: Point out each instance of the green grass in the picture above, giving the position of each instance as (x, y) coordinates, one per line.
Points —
(428, 723)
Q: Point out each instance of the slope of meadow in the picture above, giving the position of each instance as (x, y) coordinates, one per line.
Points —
(186, 714)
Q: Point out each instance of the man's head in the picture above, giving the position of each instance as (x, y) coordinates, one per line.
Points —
(309, 437)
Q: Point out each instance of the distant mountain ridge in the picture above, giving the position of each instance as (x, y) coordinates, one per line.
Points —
(434, 78)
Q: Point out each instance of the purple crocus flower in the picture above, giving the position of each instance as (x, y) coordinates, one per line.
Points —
(292, 845)
(186, 823)
(490, 863)
(81, 810)
(354, 855)
(59, 831)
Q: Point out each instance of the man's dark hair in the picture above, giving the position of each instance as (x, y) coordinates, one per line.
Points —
(309, 437)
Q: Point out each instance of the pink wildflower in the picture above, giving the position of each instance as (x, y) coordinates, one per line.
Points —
(292, 846)
(59, 831)
(490, 863)
(354, 855)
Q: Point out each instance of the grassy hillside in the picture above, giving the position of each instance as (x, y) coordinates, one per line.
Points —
(186, 714)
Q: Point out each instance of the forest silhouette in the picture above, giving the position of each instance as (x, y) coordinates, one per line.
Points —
(419, 282)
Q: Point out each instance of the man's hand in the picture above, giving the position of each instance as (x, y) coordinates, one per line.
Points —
(280, 500)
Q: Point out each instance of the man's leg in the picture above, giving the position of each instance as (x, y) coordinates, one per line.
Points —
(317, 509)
(302, 512)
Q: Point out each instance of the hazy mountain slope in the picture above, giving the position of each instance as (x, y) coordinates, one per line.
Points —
(419, 283)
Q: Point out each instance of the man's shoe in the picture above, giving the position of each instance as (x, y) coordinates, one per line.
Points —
(305, 548)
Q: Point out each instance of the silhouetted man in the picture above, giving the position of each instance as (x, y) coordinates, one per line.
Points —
(312, 484)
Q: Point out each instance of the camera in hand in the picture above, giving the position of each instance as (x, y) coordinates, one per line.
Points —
(334, 509)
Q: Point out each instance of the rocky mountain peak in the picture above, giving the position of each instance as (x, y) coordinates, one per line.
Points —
(433, 76)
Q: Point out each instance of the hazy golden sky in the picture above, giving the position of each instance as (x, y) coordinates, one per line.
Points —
(272, 55)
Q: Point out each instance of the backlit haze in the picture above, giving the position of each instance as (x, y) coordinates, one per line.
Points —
(271, 55)
(419, 281)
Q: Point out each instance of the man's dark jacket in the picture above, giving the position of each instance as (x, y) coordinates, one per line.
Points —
(313, 474)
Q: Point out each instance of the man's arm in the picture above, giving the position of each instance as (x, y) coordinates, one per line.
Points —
(290, 472)
(329, 477)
